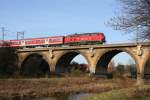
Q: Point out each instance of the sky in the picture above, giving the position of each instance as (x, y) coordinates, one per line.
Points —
(42, 18)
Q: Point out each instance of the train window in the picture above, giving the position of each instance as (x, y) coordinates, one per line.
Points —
(46, 40)
(16, 42)
(28, 41)
(50, 40)
(22, 41)
(56, 39)
(39, 41)
(43, 41)
(34, 41)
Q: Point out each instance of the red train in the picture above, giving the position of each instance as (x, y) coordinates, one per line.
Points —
(75, 39)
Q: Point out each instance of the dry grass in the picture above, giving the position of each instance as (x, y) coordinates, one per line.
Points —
(55, 86)
(131, 93)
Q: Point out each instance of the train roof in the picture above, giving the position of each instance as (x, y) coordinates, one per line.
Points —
(80, 34)
(38, 38)
(75, 34)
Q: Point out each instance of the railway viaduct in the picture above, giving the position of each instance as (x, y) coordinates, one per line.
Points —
(58, 58)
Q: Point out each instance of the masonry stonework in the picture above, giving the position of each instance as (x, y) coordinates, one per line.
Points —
(94, 54)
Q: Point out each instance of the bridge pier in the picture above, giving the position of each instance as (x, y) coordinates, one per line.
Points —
(92, 65)
(140, 80)
(142, 56)
(52, 66)
(93, 54)
(140, 72)
(92, 57)
(21, 58)
(92, 69)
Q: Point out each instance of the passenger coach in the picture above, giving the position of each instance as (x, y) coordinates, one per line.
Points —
(75, 39)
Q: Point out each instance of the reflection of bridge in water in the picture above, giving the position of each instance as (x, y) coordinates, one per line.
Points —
(97, 56)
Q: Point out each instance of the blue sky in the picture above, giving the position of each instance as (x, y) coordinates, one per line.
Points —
(40, 18)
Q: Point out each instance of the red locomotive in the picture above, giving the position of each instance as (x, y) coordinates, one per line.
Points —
(86, 38)
(75, 39)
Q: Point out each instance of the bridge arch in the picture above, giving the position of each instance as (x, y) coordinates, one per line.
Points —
(35, 64)
(105, 58)
(147, 67)
(64, 60)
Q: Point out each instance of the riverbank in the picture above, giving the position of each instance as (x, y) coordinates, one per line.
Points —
(44, 87)
(132, 93)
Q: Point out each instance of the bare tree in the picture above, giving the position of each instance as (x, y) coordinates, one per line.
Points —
(135, 18)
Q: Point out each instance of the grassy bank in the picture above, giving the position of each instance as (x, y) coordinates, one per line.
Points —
(54, 86)
(131, 93)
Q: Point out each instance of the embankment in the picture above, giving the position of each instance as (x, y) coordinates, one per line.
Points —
(45, 87)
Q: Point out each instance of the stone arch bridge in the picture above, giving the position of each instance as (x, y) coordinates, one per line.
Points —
(60, 57)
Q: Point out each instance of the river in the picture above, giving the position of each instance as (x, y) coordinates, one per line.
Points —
(66, 97)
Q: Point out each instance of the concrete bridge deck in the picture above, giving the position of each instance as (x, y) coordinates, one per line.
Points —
(84, 47)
